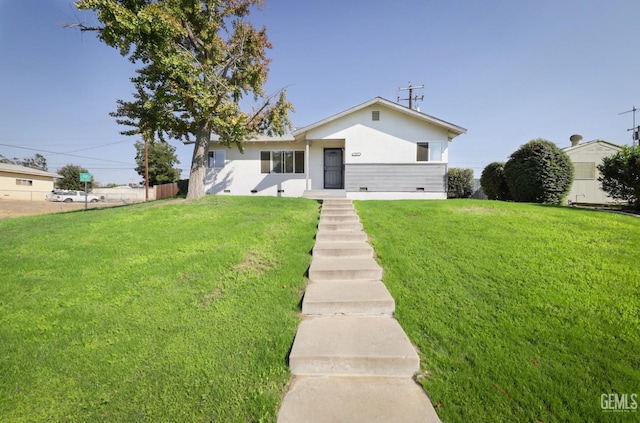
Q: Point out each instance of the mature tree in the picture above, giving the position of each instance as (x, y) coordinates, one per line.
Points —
(620, 175)
(460, 183)
(494, 183)
(539, 172)
(38, 161)
(201, 58)
(7, 160)
(161, 160)
(71, 178)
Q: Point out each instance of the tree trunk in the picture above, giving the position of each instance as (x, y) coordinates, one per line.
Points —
(199, 162)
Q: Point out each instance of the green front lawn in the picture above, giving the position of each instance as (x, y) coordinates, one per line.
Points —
(521, 313)
(178, 313)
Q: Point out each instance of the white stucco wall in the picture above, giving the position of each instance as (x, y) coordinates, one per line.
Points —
(241, 172)
(392, 139)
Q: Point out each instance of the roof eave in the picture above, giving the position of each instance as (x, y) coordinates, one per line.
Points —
(453, 130)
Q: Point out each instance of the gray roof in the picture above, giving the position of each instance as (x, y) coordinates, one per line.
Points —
(5, 167)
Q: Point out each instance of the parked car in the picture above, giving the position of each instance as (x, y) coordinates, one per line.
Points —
(71, 196)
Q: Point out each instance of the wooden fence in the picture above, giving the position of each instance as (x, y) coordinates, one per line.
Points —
(165, 190)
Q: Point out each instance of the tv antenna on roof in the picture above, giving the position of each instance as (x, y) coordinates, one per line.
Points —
(635, 129)
(411, 98)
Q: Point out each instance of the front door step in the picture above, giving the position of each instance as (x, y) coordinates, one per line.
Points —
(352, 346)
(356, 400)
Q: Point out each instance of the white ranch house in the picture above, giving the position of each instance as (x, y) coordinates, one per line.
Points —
(376, 150)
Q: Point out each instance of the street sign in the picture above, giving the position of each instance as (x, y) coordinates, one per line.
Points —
(85, 177)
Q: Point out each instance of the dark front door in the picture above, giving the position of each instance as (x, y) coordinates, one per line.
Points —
(333, 168)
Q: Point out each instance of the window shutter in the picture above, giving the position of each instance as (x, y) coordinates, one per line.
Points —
(299, 162)
(265, 162)
(423, 152)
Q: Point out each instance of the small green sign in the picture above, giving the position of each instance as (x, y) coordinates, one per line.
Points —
(85, 177)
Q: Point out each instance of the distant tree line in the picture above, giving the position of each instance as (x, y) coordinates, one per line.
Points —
(38, 161)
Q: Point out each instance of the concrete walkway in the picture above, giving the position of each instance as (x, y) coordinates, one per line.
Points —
(351, 361)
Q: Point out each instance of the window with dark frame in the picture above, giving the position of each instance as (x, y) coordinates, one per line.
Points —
(422, 152)
(282, 161)
(375, 115)
(216, 159)
(25, 182)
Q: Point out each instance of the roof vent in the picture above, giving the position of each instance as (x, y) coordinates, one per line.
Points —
(575, 139)
(375, 115)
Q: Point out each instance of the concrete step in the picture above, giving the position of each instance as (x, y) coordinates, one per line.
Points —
(338, 212)
(350, 298)
(337, 204)
(338, 226)
(325, 194)
(339, 269)
(352, 346)
(356, 400)
(342, 249)
(340, 236)
(345, 218)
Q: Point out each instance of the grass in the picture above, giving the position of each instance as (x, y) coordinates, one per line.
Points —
(183, 312)
(520, 312)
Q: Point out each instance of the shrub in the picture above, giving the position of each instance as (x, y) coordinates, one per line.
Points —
(539, 172)
(460, 183)
(494, 183)
(620, 175)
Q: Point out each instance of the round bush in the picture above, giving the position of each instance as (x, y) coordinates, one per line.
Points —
(539, 172)
(494, 183)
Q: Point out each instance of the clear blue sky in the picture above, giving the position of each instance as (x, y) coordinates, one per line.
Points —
(508, 71)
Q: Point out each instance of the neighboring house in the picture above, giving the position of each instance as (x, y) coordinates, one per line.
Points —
(376, 150)
(24, 183)
(586, 157)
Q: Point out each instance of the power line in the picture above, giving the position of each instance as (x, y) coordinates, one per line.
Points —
(97, 146)
(64, 154)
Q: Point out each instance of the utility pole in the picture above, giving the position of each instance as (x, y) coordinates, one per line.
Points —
(411, 98)
(635, 129)
(146, 169)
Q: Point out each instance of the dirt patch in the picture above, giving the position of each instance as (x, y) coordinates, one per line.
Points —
(210, 298)
(253, 263)
(17, 208)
